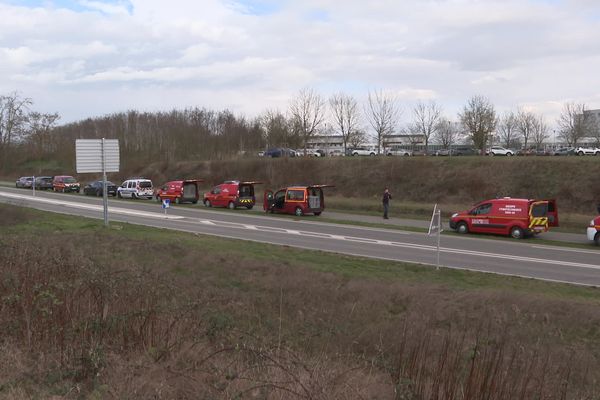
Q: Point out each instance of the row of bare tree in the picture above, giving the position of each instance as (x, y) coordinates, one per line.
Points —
(478, 122)
(205, 134)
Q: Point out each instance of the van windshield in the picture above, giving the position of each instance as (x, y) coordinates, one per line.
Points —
(145, 184)
(539, 210)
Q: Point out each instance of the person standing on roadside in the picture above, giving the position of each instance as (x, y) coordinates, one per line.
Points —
(387, 196)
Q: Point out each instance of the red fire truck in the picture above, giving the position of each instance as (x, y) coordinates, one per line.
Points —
(298, 200)
(232, 194)
(179, 191)
(507, 216)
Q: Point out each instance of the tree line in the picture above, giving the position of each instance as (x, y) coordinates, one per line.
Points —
(200, 133)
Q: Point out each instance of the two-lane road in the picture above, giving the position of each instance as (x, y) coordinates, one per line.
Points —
(522, 258)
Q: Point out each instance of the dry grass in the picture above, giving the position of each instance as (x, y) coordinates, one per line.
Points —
(112, 314)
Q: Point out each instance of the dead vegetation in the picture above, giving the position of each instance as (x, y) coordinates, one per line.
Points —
(102, 314)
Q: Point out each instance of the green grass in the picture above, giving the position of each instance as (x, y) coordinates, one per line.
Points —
(38, 225)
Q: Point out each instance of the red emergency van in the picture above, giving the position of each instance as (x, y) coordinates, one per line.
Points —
(507, 216)
(179, 191)
(232, 194)
(297, 200)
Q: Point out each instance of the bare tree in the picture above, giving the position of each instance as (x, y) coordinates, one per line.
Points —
(382, 113)
(308, 112)
(276, 129)
(446, 133)
(525, 125)
(13, 117)
(574, 123)
(40, 128)
(357, 137)
(540, 131)
(426, 119)
(346, 116)
(479, 119)
(508, 133)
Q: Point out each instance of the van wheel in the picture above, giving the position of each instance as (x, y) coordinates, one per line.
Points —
(298, 212)
(462, 228)
(249, 207)
(207, 203)
(231, 205)
(133, 196)
(516, 232)
(597, 239)
(194, 201)
(318, 213)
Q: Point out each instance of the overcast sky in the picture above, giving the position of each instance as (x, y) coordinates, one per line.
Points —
(84, 58)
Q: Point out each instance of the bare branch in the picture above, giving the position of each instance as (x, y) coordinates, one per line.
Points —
(479, 119)
(382, 113)
(308, 112)
(346, 116)
(426, 119)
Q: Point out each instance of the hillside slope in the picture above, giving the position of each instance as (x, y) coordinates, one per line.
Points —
(573, 181)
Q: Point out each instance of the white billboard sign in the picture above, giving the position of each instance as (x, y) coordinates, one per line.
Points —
(89, 154)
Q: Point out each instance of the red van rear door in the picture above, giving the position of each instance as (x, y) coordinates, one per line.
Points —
(552, 213)
(267, 200)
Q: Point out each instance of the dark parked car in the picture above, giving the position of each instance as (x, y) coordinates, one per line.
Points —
(464, 151)
(24, 182)
(564, 151)
(457, 151)
(43, 182)
(95, 188)
(279, 152)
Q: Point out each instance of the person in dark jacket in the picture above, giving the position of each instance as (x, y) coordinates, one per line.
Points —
(387, 196)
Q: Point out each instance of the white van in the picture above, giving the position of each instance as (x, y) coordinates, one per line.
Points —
(136, 188)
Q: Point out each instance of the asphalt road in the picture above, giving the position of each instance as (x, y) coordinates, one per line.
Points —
(523, 258)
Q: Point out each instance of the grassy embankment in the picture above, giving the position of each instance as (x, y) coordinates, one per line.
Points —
(135, 312)
(455, 183)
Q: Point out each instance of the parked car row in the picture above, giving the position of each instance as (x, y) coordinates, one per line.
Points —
(400, 150)
(296, 200)
(59, 183)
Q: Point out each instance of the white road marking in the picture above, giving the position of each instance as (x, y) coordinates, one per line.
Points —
(567, 249)
(414, 246)
(318, 234)
(115, 210)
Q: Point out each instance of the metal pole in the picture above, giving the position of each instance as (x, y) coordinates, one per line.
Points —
(33, 185)
(104, 194)
(439, 233)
